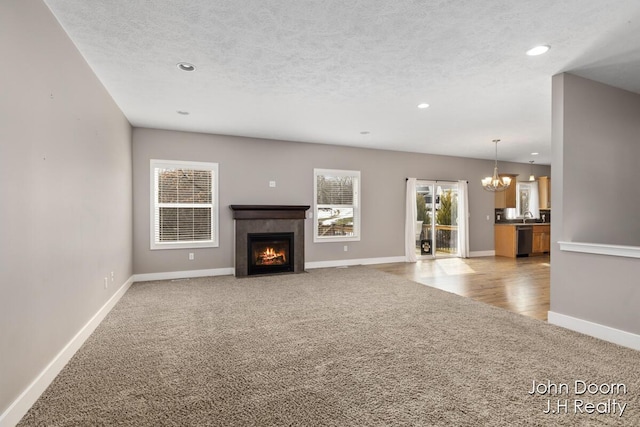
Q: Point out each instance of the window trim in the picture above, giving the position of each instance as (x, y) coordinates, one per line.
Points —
(356, 206)
(215, 234)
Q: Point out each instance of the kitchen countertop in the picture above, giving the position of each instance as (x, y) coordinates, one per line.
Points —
(521, 223)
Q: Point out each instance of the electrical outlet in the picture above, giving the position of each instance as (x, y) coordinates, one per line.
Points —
(346, 248)
(272, 184)
(191, 256)
(112, 277)
(106, 282)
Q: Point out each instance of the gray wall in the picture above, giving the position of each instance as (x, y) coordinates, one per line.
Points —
(65, 186)
(247, 165)
(595, 199)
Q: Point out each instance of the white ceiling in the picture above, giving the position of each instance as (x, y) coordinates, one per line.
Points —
(325, 71)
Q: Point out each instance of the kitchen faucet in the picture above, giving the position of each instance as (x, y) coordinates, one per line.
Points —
(524, 217)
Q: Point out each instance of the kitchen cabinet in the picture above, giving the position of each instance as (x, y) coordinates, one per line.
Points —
(507, 198)
(506, 239)
(541, 239)
(544, 192)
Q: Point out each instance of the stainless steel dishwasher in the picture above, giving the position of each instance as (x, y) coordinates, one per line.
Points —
(525, 239)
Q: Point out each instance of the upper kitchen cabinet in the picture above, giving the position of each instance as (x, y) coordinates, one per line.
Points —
(544, 192)
(507, 198)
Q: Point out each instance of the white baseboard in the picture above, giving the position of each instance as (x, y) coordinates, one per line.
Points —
(168, 275)
(369, 261)
(348, 262)
(21, 405)
(616, 336)
(476, 254)
(307, 265)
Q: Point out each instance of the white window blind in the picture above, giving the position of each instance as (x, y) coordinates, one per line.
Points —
(184, 206)
(337, 205)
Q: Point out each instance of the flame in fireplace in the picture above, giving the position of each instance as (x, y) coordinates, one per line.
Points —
(271, 257)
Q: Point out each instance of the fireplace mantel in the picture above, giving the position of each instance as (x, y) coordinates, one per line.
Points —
(269, 211)
(264, 219)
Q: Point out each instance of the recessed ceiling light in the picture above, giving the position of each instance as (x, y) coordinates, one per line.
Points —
(534, 154)
(184, 113)
(538, 50)
(185, 66)
(423, 105)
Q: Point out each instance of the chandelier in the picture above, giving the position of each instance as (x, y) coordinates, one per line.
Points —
(496, 183)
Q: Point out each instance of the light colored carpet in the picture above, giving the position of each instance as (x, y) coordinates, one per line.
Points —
(332, 347)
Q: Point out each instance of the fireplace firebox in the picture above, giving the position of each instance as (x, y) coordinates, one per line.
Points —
(269, 253)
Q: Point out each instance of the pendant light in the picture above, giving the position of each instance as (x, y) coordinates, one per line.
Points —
(496, 183)
(532, 177)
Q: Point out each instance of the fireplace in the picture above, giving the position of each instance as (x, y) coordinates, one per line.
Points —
(269, 239)
(269, 253)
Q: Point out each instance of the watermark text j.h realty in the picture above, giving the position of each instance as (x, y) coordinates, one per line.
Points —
(581, 397)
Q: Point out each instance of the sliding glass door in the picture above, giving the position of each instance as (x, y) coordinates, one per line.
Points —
(437, 219)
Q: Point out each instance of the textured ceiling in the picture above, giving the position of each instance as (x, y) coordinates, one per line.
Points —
(325, 71)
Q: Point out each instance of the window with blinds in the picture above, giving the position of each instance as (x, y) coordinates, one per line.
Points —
(337, 205)
(184, 204)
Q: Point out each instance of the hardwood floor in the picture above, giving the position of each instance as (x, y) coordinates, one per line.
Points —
(520, 285)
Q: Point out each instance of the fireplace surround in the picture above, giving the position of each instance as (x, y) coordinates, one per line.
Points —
(272, 230)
